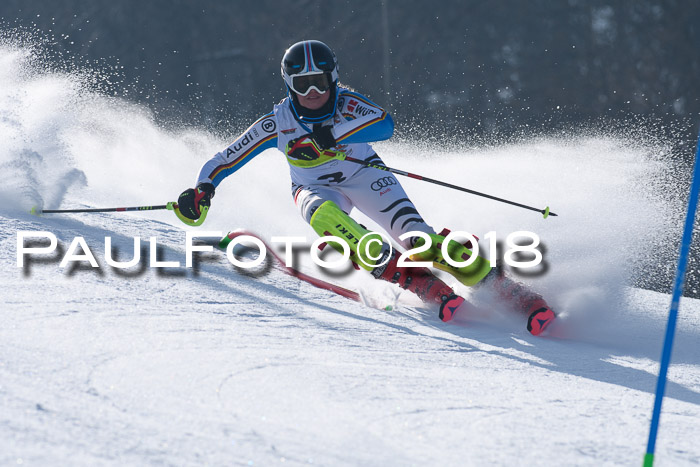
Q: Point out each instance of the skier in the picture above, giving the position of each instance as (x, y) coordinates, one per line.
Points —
(318, 123)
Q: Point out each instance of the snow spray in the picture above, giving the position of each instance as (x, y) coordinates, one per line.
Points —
(66, 144)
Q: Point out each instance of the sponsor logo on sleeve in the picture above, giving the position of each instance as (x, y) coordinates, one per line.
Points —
(364, 111)
(240, 144)
(268, 125)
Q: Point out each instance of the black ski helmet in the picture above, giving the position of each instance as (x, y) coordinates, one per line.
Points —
(310, 65)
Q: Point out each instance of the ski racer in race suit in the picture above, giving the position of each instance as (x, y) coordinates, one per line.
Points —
(318, 123)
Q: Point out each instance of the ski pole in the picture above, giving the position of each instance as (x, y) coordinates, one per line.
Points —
(545, 212)
(171, 206)
(64, 211)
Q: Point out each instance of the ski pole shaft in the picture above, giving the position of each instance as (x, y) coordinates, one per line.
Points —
(171, 206)
(545, 212)
(133, 208)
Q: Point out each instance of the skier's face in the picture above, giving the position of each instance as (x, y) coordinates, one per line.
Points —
(314, 100)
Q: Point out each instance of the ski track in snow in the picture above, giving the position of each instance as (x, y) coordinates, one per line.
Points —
(215, 366)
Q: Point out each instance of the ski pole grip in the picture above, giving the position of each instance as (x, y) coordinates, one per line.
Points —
(172, 206)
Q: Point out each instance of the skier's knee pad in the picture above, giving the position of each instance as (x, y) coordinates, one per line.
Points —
(365, 246)
(467, 275)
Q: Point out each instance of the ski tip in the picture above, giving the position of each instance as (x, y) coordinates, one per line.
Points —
(34, 211)
(223, 243)
(539, 320)
(388, 308)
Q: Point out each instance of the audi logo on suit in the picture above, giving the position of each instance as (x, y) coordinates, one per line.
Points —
(383, 183)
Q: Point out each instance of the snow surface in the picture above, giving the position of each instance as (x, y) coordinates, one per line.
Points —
(215, 366)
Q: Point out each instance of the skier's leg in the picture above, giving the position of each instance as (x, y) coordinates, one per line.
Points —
(378, 258)
(481, 275)
(325, 209)
(380, 196)
(309, 198)
(468, 275)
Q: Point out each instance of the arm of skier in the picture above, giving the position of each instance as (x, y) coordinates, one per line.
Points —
(260, 136)
(364, 122)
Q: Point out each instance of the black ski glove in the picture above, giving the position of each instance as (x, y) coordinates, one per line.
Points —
(192, 199)
(323, 137)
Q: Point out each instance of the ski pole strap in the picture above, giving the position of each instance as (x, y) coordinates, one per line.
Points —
(172, 206)
(545, 212)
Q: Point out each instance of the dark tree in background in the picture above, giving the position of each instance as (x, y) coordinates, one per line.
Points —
(455, 66)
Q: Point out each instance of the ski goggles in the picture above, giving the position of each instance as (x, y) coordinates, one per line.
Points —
(303, 84)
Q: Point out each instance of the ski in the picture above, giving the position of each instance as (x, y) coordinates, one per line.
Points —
(316, 282)
(537, 321)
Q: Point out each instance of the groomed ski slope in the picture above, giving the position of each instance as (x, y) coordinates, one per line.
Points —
(212, 366)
